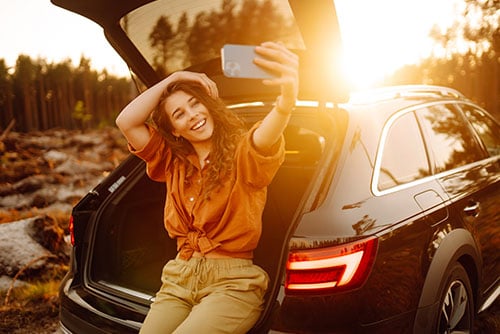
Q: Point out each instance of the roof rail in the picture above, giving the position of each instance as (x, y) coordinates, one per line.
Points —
(392, 92)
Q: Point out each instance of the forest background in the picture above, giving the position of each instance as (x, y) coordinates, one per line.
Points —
(36, 95)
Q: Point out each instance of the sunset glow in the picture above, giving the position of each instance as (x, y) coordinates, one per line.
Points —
(381, 36)
(378, 36)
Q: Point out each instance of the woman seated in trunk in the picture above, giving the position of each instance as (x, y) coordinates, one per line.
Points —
(216, 174)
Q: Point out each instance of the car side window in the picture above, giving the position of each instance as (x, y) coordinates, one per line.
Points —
(487, 129)
(450, 138)
(403, 157)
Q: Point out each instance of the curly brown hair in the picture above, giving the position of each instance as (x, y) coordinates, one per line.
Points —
(228, 131)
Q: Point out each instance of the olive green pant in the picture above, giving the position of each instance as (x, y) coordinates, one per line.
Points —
(207, 295)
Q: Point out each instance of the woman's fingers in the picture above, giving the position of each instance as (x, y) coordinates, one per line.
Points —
(200, 78)
(280, 60)
(205, 82)
(210, 85)
(283, 71)
(275, 54)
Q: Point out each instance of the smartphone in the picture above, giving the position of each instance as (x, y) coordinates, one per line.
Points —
(237, 62)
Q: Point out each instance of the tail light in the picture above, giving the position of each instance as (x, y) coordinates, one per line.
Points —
(330, 269)
(71, 228)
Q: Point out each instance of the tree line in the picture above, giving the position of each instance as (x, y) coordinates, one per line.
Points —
(38, 95)
(179, 44)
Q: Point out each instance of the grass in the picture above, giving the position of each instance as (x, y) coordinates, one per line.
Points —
(39, 287)
(33, 293)
(34, 306)
(33, 309)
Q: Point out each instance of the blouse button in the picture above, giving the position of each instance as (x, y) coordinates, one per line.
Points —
(191, 199)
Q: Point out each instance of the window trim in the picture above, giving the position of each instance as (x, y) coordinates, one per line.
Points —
(435, 176)
(380, 149)
(459, 105)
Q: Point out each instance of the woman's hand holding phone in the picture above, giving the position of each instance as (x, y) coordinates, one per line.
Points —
(278, 59)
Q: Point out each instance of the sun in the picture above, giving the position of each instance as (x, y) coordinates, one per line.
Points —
(381, 36)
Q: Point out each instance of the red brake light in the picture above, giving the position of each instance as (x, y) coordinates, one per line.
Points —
(331, 268)
(71, 228)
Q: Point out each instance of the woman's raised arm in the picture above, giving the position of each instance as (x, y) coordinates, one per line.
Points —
(280, 60)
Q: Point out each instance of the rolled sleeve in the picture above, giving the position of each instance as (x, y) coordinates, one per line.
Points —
(156, 154)
(257, 168)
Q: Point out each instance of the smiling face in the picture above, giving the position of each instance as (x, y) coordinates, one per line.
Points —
(190, 119)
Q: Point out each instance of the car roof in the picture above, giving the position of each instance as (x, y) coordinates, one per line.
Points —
(320, 76)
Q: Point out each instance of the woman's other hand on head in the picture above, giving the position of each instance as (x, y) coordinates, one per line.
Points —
(199, 78)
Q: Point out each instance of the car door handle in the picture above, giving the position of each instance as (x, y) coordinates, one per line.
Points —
(472, 209)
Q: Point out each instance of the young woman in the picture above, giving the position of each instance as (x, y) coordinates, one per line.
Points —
(216, 174)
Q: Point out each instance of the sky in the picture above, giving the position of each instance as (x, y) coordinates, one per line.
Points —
(392, 32)
(40, 29)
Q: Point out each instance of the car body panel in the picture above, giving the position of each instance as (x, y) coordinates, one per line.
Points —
(421, 228)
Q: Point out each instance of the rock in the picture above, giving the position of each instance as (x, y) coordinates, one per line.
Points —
(85, 140)
(6, 189)
(27, 185)
(46, 232)
(74, 166)
(18, 248)
(33, 183)
(54, 156)
(6, 282)
(16, 201)
(40, 201)
(58, 208)
(44, 174)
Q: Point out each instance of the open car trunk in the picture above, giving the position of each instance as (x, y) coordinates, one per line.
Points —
(130, 244)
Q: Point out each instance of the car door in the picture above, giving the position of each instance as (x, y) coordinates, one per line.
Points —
(487, 219)
(470, 176)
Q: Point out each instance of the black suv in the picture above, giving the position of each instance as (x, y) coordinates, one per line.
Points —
(383, 218)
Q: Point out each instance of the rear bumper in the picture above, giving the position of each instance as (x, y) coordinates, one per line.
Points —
(63, 330)
(399, 324)
(337, 314)
(72, 324)
(79, 317)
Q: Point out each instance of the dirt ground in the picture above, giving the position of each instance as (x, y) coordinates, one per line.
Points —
(33, 317)
(488, 322)
(46, 173)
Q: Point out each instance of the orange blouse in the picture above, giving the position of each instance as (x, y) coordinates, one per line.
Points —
(230, 221)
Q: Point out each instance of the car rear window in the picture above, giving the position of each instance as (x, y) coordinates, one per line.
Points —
(450, 137)
(404, 158)
(486, 128)
(175, 34)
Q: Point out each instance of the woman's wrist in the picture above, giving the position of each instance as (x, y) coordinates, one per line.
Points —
(284, 110)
